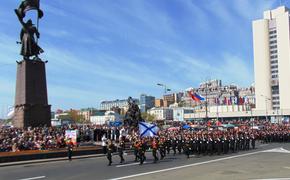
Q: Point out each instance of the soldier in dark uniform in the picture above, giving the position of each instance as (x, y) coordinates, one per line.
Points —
(162, 149)
(174, 145)
(253, 141)
(110, 149)
(242, 145)
(199, 144)
(154, 147)
(237, 143)
(168, 145)
(210, 146)
(232, 144)
(247, 143)
(204, 145)
(192, 145)
(121, 148)
(70, 149)
(179, 145)
(142, 150)
(135, 148)
(225, 144)
(219, 145)
(186, 147)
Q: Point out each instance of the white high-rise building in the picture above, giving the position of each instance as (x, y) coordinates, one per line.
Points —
(271, 42)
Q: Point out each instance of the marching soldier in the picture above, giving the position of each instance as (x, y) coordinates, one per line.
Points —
(154, 147)
(186, 148)
(219, 145)
(210, 146)
(174, 145)
(253, 141)
(247, 145)
(142, 149)
(136, 148)
(121, 148)
(237, 143)
(168, 145)
(162, 150)
(110, 149)
(232, 144)
(179, 145)
(225, 144)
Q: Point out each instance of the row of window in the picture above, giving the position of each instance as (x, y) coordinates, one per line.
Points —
(275, 76)
(274, 56)
(276, 98)
(273, 47)
(273, 52)
(273, 32)
(275, 92)
(274, 71)
(276, 103)
(274, 61)
(273, 36)
(274, 66)
(273, 42)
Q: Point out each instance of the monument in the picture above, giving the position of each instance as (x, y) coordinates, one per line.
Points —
(31, 103)
(133, 115)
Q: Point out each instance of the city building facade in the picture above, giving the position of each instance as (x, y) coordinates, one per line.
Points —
(146, 102)
(271, 43)
(103, 117)
(161, 113)
(122, 104)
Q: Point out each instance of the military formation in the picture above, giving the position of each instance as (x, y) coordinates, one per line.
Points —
(197, 144)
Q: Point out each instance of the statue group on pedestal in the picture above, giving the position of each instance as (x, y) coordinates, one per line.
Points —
(133, 115)
(29, 34)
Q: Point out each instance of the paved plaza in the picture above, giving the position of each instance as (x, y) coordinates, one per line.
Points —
(268, 161)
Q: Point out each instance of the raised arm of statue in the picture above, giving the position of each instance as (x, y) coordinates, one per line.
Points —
(19, 18)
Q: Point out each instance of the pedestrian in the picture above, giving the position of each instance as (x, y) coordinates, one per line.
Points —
(70, 149)
(104, 144)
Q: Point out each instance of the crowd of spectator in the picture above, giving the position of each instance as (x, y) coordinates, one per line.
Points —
(48, 138)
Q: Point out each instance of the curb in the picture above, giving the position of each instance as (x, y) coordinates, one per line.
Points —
(55, 159)
(49, 160)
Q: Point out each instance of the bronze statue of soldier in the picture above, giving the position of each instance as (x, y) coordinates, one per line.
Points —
(29, 33)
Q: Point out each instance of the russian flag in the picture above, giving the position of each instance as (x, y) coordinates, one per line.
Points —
(196, 97)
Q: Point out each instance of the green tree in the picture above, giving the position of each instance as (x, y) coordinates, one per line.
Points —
(148, 117)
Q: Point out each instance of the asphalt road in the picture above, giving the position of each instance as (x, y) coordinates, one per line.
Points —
(267, 161)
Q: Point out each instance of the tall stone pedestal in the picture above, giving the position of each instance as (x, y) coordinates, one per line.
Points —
(31, 104)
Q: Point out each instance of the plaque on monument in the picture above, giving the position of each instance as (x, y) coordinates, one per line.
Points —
(31, 104)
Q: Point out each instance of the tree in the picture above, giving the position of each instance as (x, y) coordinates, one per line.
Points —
(74, 116)
(148, 117)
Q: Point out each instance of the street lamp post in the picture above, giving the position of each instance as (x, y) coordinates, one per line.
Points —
(165, 92)
(165, 88)
(266, 107)
(206, 103)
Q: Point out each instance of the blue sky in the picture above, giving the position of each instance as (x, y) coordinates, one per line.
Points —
(108, 49)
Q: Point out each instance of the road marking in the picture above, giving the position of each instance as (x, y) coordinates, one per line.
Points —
(278, 150)
(287, 167)
(274, 179)
(38, 177)
(186, 166)
(262, 145)
(131, 164)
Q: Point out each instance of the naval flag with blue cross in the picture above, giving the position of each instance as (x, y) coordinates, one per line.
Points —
(147, 129)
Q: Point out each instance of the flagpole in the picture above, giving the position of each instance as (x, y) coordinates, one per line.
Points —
(37, 26)
(37, 23)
